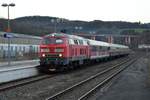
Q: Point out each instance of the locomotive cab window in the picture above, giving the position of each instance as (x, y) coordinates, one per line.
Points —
(52, 41)
(46, 41)
(59, 41)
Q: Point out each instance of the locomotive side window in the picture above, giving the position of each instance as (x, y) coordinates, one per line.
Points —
(81, 42)
(75, 41)
(85, 42)
(71, 41)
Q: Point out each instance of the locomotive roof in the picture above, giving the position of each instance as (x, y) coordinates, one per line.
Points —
(63, 35)
(56, 35)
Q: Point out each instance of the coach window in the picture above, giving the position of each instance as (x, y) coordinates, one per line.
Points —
(97, 48)
(19, 48)
(11, 48)
(23, 48)
(15, 48)
(1, 47)
(93, 48)
(105, 48)
(102, 48)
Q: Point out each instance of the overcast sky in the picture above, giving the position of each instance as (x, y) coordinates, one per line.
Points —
(87, 10)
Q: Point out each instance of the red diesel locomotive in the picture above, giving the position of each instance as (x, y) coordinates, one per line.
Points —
(59, 51)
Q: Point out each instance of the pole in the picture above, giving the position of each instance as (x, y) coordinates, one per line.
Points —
(8, 30)
(9, 54)
(8, 22)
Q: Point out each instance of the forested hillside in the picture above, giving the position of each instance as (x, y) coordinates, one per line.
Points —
(39, 25)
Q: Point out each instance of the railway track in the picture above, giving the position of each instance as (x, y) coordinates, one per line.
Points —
(22, 82)
(82, 89)
(25, 81)
(106, 80)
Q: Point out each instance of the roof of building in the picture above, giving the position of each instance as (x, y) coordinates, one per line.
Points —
(16, 35)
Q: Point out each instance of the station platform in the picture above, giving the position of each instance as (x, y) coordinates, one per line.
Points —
(12, 63)
(18, 70)
(19, 63)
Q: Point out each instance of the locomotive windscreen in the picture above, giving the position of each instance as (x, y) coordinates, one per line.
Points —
(52, 41)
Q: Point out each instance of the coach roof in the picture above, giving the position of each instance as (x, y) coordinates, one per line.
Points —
(98, 43)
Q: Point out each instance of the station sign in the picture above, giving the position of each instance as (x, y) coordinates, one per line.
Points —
(8, 35)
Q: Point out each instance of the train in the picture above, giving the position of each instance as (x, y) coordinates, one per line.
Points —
(22, 47)
(17, 50)
(60, 51)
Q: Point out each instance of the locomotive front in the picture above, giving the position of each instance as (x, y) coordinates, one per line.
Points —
(53, 51)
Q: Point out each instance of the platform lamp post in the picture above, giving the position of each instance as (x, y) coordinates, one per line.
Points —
(8, 22)
(8, 29)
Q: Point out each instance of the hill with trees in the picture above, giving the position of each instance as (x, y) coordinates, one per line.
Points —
(41, 25)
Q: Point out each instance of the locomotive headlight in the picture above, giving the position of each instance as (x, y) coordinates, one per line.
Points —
(60, 55)
(45, 50)
(43, 55)
(59, 50)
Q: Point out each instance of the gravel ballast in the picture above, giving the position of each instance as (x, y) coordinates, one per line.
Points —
(132, 84)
